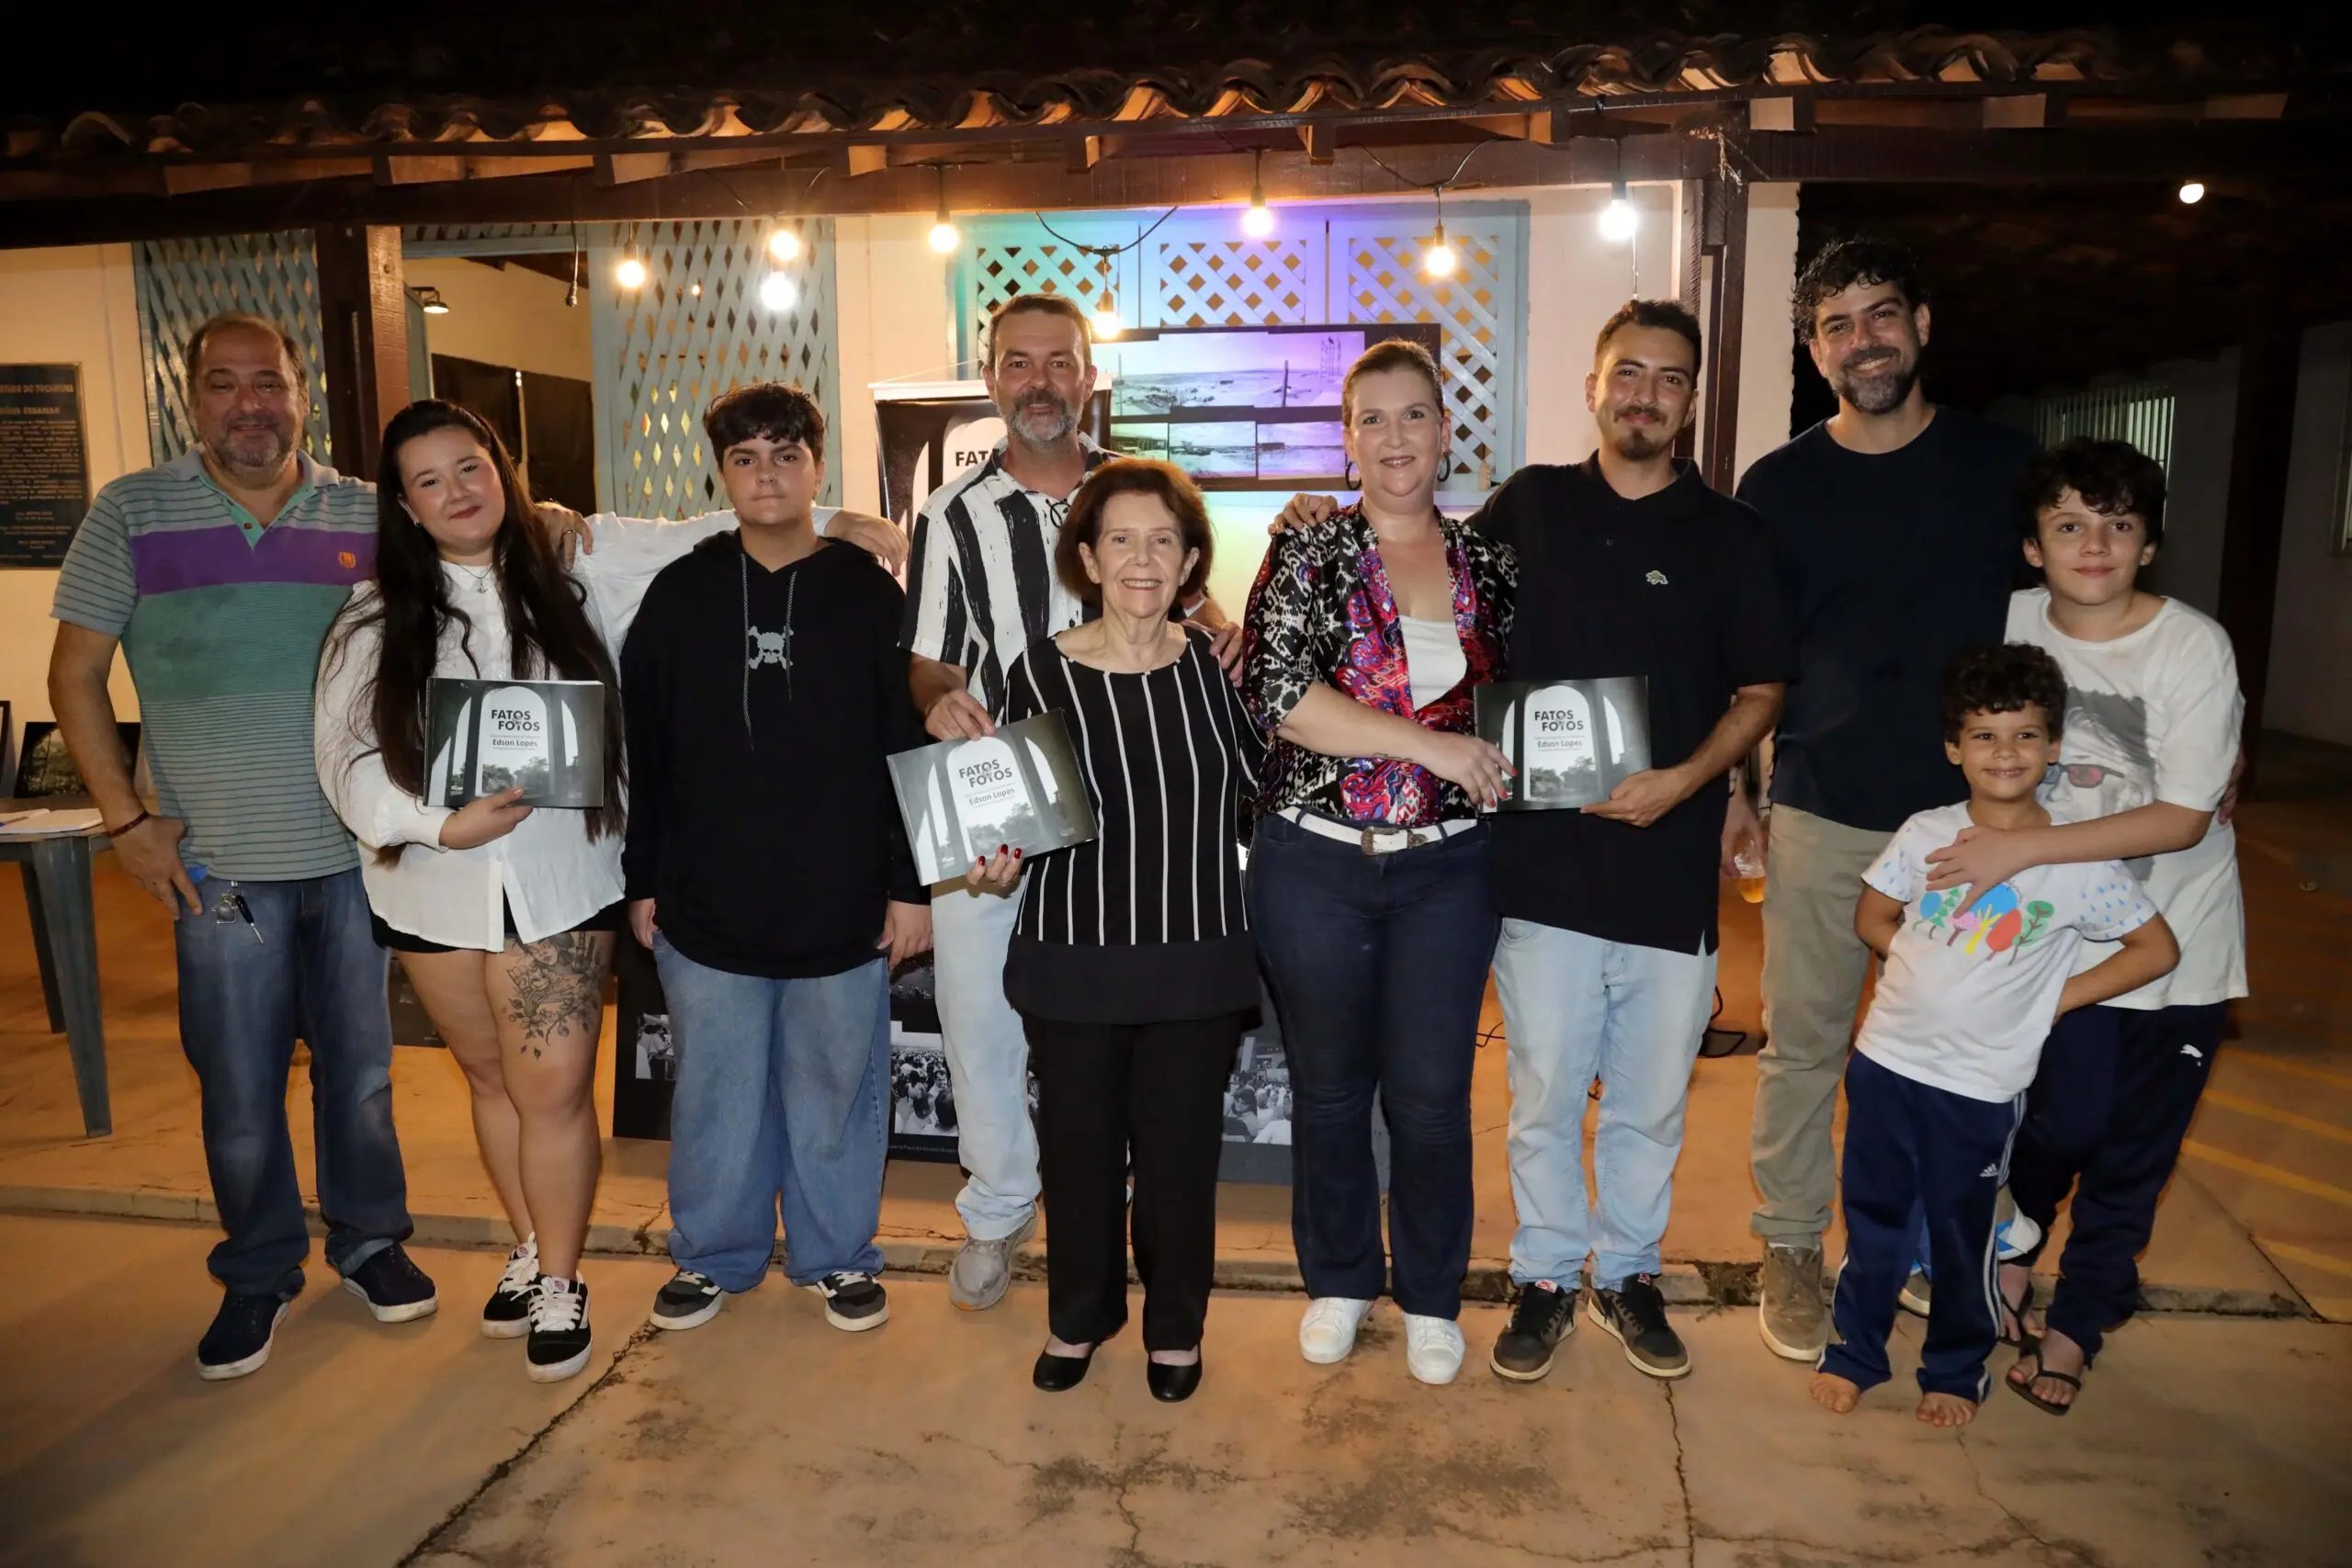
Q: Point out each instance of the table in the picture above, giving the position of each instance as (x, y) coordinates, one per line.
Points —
(65, 939)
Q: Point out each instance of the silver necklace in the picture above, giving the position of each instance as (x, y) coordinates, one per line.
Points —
(481, 574)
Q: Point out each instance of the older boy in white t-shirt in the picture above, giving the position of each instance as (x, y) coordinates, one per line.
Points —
(2153, 715)
(1936, 1087)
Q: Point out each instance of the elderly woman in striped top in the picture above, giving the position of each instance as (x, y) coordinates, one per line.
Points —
(1132, 962)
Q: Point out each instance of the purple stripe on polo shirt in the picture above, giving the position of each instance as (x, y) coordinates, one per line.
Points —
(168, 560)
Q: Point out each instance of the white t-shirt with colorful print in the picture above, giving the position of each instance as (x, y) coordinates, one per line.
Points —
(1966, 999)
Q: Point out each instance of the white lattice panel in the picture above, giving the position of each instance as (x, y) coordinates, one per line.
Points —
(1377, 274)
(1215, 279)
(696, 328)
(182, 282)
(1351, 265)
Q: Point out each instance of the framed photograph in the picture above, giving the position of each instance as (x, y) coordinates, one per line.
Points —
(1241, 408)
(45, 767)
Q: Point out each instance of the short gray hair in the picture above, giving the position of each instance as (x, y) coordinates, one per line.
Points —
(227, 320)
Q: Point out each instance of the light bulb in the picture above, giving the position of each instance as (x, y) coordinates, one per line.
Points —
(783, 246)
(943, 237)
(630, 274)
(779, 292)
(1107, 324)
(2192, 192)
(1619, 221)
(1439, 260)
(1258, 221)
(436, 307)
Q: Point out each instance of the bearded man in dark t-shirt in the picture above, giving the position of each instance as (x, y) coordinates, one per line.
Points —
(1894, 545)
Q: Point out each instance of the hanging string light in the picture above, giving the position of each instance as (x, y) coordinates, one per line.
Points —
(944, 236)
(783, 246)
(1258, 221)
(1618, 219)
(630, 272)
(779, 292)
(1107, 324)
(1439, 261)
(2191, 192)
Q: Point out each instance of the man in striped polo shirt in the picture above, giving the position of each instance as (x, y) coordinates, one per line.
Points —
(979, 589)
(218, 573)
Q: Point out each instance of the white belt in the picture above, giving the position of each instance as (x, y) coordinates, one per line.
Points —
(1375, 839)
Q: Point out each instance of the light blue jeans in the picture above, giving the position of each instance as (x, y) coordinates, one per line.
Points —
(783, 1094)
(988, 1060)
(1575, 1009)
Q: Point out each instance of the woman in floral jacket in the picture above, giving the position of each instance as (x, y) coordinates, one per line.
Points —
(1368, 884)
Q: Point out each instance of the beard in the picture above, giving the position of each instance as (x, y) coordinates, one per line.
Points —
(1059, 418)
(1635, 443)
(253, 447)
(1880, 386)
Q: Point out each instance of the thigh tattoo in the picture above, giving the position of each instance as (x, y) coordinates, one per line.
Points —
(559, 986)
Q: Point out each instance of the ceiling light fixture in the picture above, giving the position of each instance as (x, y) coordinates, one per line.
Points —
(1620, 220)
(429, 300)
(2191, 192)
(943, 237)
(779, 292)
(1258, 221)
(784, 246)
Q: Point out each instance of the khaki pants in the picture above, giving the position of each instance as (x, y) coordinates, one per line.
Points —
(1814, 968)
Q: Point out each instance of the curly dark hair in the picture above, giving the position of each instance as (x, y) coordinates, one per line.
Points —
(2115, 479)
(2007, 677)
(1841, 265)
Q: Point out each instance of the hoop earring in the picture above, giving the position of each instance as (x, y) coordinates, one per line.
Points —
(1348, 477)
(1446, 472)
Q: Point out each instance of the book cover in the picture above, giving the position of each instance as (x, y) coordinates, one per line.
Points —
(487, 735)
(1020, 787)
(1570, 742)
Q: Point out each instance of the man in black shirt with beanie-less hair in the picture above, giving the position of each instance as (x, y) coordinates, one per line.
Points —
(767, 870)
(1894, 540)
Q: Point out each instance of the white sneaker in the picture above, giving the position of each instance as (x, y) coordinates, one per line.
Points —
(1433, 1347)
(1328, 1332)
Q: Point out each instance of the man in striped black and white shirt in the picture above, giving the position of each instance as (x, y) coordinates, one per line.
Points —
(980, 588)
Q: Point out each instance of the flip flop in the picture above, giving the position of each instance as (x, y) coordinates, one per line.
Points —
(2024, 1391)
(2016, 1309)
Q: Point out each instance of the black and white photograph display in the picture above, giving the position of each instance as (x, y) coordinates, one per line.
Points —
(645, 1055)
(929, 431)
(1254, 407)
(1570, 742)
(546, 736)
(963, 800)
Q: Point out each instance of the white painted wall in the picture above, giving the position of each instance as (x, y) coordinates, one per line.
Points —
(1767, 373)
(2310, 643)
(71, 305)
(504, 316)
(892, 322)
(2196, 498)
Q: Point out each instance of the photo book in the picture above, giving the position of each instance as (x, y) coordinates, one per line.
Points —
(1019, 787)
(489, 736)
(1570, 742)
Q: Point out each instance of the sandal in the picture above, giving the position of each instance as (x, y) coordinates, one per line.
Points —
(2024, 1391)
(2016, 1309)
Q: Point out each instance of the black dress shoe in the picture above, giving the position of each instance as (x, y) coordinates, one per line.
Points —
(1172, 1384)
(1059, 1374)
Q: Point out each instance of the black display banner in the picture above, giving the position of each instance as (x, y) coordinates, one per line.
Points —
(924, 442)
(44, 463)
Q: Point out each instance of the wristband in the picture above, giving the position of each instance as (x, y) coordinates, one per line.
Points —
(127, 827)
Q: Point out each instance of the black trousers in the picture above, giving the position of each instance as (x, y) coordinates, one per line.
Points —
(1105, 1089)
(2113, 1099)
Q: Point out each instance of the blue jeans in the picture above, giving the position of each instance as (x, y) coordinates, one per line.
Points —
(783, 1094)
(988, 1060)
(305, 966)
(1575, 1009)
(1378, 967)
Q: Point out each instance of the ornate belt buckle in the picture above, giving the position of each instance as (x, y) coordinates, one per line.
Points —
(1368, 834)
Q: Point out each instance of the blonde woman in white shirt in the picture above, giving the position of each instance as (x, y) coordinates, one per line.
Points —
(504, 917)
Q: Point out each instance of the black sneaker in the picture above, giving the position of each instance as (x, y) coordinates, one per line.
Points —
(395, 1289)
(1544, 1315)
(238, 1341)
(1635, 1313)
(559, 1345)
(688, 1300)
(507, 1314)
(854, 1302)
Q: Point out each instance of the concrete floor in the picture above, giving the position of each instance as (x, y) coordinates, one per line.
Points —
(767, 1438)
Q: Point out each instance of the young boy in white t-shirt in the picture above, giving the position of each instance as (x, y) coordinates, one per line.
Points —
(1972, 982)
(2153, 715)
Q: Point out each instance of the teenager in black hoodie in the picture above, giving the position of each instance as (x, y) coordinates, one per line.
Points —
(767, 871)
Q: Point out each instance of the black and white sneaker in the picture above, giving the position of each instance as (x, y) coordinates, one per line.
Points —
(559, 1345)
(394, 1288)
(1542, 1316)
(238, 1342)
(1635, 1313)
(853, 1303)
(507, 1314)
(688, 1300)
